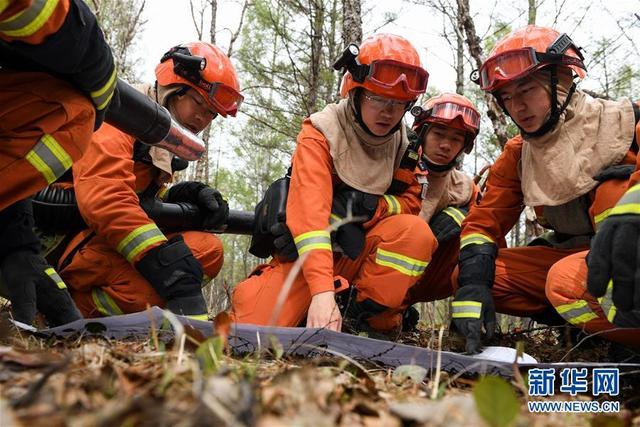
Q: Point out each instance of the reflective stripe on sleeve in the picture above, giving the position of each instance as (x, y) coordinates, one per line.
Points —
(49, 158)
(629, 203)
(393, 205)
(475, 239)
(606, 302)
(455, 213)
(577, 312)
(466, 309)
(56, 278)
(319, 239)
(102, 96)
(104, 303)
(139, 240)
(29, 20)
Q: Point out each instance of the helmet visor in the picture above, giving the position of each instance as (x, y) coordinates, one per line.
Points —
(449, 111)
(388, 73)
(225, 97)
(509, 65)
(514, 64)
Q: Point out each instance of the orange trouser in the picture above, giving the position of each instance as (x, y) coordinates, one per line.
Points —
(521, 275)
(102, 282)
(45, 125)
(436, 282)
(567, 290)
(406, 236)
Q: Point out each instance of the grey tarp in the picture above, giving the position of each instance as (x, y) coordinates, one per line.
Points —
(305, 342)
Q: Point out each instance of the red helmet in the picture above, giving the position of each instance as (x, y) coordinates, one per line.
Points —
(205, 68)
(525, 51)
(387, 65)
(452, 110)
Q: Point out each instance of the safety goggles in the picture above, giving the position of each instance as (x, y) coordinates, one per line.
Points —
(387, 73)
(514, 64)
(446, 112)
(223, 97)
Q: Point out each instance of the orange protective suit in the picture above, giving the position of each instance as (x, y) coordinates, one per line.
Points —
(45, 126)
(45, 123)
(101, 273)
(530, 279)
(567, 284)
(398, 245)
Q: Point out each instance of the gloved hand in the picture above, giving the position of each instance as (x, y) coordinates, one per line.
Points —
(210, 202)
(447, 223)
(34, 285)
(350, 237)
(614, 255)
(286, 248)
(359, 203)
(176, 276)
(473, 308)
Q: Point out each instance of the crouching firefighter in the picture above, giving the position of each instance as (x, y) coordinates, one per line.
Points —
(446, 127)
(567, 163)
(348, 160)
(57, 78)
(123, 261)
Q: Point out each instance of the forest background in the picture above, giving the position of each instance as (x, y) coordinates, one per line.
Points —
(283, 51)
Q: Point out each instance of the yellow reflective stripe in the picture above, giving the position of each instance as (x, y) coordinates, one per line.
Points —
(204, 317)
(163, 192)
(601, 216)
(577, 312)
(3, 5)
(30, 20)
(402, 263)
(629, 203)
(319, 239)
(49, 158)
(606, 302)
(334, 218)
(102, 96)
(393, 205)
(474, 239)
(466, 309)
(56, 278)
(455, 213)
(104, 303)
(139, 240)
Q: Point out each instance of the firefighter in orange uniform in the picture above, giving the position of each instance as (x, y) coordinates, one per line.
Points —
(447, 125)
(124, 262)
(566, 163)
(347, 159)
(57, 78)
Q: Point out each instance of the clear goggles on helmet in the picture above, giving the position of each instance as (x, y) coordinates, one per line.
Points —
(223, 97)
(387, 73)
(514, 64)
(447, 112)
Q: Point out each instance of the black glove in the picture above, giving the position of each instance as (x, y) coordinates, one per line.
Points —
(615, 172)
(410, 319)
(472, 308)
(447, 223)
(34, 285)
(350, 237)
(473, 305)
(286, 248)
(210, 202)
(359, 203)
(176, 276)
(613, 258)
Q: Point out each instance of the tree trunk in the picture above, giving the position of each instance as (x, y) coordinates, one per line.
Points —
(533, 11)
(497, 117)
(351, 22)
(459, 27)
(316, 21)
(214, 14)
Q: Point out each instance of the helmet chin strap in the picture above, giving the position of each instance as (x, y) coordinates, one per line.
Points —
(357, 96)
(436, 167)
(555, 113)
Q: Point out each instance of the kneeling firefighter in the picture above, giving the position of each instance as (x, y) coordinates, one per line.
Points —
(447, 126)
(348, 160)
(123, 261)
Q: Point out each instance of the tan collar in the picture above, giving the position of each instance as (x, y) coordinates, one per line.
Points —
(362, 161)
(591, 135)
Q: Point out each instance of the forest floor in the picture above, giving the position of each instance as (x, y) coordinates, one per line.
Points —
(93, 381)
